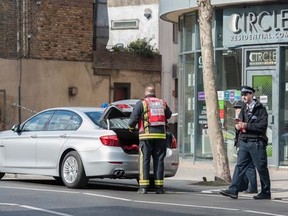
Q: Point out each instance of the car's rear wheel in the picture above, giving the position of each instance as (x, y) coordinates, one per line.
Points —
(2, 175)
(72, 171)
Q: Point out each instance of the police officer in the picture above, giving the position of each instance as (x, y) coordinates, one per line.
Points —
(252, 145)
(151, 114)
(250, 178)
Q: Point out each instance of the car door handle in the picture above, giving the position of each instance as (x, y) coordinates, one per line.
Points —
(34, 136)
(63, 136)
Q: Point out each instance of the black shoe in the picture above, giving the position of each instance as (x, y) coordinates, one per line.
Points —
(229, 194)
(262, 196)
(160, 191)
(142, 191)
(251, 191)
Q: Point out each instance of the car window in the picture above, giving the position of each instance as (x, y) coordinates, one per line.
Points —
(94, 116)
(119, 123)
(64, 120)
(114, 123)
(38, 122)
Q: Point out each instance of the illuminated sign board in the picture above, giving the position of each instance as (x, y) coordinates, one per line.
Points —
(255, 25)
(263, 57)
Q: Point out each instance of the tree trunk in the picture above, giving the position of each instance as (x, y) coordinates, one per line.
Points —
(220, 159)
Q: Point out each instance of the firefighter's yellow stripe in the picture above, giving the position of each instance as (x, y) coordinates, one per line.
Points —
(144, 182)
(152, 136)
(159, 182)
(141, 175)
(145, 117)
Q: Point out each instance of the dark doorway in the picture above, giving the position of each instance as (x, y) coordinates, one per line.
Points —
(121, 91)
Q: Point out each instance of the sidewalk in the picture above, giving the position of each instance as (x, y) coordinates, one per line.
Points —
(190, 171)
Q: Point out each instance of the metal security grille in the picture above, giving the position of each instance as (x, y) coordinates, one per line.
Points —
(263, 87)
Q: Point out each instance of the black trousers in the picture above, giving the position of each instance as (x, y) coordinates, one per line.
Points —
(251, 150)
(157, 149)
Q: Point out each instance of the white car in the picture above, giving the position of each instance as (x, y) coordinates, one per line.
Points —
(74, 144)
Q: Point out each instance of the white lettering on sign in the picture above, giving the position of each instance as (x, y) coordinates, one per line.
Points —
(262, 57)
(255, 24)
(200, 61)
(251, 22)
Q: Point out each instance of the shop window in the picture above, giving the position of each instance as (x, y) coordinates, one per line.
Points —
(218, 22)
(175, 33)
(233, 80)
(188, 90)
(189, 32)
(228, 65)
(283, 114)
(176, 88)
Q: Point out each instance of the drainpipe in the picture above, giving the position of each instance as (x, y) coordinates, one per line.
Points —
(4, 105)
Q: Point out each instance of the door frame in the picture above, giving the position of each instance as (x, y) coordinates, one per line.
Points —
(272, 111)
(273, 70)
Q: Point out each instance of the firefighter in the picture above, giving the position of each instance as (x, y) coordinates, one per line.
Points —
(151, 114)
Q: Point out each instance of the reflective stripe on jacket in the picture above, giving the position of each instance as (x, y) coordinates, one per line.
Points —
(153, 116)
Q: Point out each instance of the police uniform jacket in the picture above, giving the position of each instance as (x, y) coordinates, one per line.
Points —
(257, 122)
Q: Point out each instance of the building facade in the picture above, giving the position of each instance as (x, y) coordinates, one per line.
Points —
(250, 43)
(130, 20)
(53, 53)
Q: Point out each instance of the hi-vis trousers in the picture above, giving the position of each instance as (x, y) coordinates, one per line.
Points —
(157, 149)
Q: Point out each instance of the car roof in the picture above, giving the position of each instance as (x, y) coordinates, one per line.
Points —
(80, 109)
(131, 102)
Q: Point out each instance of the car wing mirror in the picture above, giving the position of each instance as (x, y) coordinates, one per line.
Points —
(16, 128)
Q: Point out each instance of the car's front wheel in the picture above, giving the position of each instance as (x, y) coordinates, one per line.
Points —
(2, 175)
(72, 171)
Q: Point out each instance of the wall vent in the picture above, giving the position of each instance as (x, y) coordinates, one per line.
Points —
(124, 24)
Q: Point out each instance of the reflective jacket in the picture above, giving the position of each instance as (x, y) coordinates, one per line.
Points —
(151, 114)
(154, 111)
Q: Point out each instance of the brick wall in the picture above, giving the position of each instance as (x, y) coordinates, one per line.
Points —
(8, 27)
(62, 30)
(48, 29)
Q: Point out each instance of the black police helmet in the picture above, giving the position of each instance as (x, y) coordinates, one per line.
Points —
(247, 89)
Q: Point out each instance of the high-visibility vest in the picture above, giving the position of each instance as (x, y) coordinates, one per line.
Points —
(154, 115)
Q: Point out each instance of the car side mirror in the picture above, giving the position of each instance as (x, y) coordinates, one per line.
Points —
(16, 128)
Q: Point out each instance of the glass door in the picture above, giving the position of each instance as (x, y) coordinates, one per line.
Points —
(264, 83)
